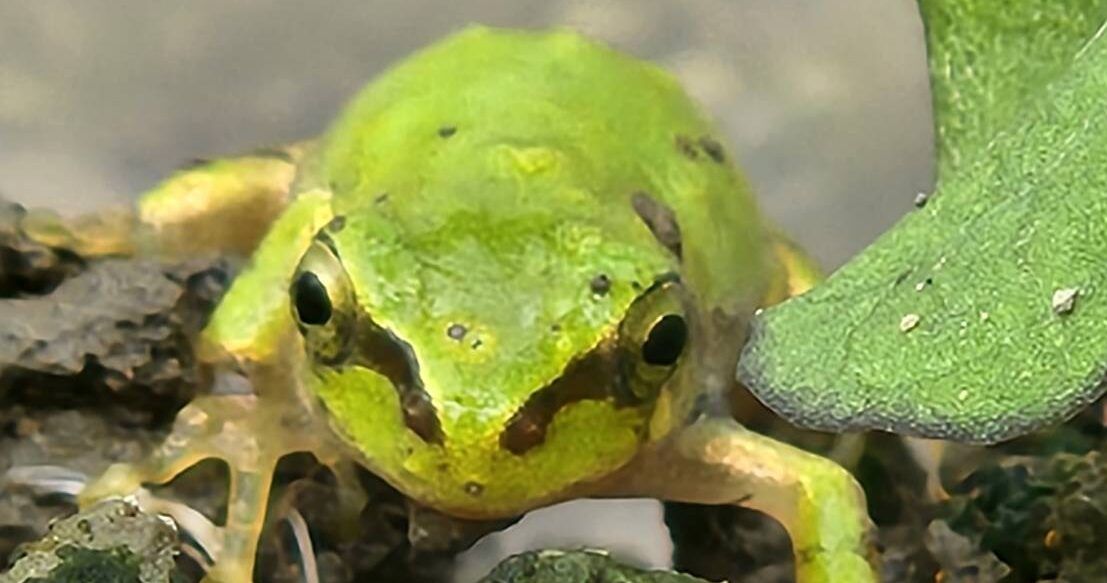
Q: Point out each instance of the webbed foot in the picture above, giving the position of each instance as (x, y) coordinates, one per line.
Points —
(251, 437)
(717, 461)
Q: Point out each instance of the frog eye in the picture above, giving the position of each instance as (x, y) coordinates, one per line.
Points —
(665, 341)
(322, 302)
(652, 340)
(309, 297)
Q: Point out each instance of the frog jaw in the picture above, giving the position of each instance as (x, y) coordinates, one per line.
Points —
(470, 474)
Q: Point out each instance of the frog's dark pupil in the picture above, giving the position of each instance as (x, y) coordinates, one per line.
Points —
(665, 341)
(310, 296)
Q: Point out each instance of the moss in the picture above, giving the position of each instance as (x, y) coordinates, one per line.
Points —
(573, 566)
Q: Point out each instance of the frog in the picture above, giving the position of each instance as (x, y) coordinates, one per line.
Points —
(516, 270)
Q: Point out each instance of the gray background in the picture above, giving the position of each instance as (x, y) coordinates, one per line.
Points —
(825, 103)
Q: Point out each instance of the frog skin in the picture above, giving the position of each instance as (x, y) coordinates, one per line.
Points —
(517, 270)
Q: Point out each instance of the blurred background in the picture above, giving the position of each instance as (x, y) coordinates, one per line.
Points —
(825, 103)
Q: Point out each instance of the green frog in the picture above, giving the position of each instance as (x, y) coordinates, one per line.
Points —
(517, 270)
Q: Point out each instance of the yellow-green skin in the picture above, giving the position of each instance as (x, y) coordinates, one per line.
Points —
(485, 182)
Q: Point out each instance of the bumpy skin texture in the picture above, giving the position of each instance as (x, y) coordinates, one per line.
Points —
(490, 197)
(462, 295)
(954, 324)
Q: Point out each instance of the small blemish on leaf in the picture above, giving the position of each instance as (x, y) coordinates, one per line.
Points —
(456, 332)
(381, 198)
(1064, 300)
(447, 131)
(477, 343)
(902, 277)
(600, 285)
(908, 322)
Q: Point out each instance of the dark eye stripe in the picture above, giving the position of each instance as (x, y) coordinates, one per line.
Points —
(377, 348)
(384, 352)
(586, 378)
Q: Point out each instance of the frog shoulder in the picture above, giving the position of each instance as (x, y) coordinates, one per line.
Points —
(255, 313)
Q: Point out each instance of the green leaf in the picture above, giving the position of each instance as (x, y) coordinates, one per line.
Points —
(960, 322)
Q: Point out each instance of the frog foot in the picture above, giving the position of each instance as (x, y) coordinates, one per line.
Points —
(717, 461)
(251, 436)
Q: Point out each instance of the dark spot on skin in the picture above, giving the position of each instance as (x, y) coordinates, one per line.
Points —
(446, 131)
(660, 219)
(636, 286)
(476, 344)
(713, 149)
(600, 285)
(380, 350)
(420, 416)
(381, 198)
(473, 488)
(456, 332)
(555, 327)
(701, 406)
(337, 224)
(686, 146)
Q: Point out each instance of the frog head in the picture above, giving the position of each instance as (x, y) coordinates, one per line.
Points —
(486, 362)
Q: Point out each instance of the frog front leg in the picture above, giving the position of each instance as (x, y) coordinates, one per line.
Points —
(249, 425)
(717, 461)
(225, 205)
(206, 429)
(250, 435)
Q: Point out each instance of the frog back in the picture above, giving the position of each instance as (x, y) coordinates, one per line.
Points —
(499, 125)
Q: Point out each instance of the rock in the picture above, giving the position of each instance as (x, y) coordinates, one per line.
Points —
(574, 566)
(112, 542)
